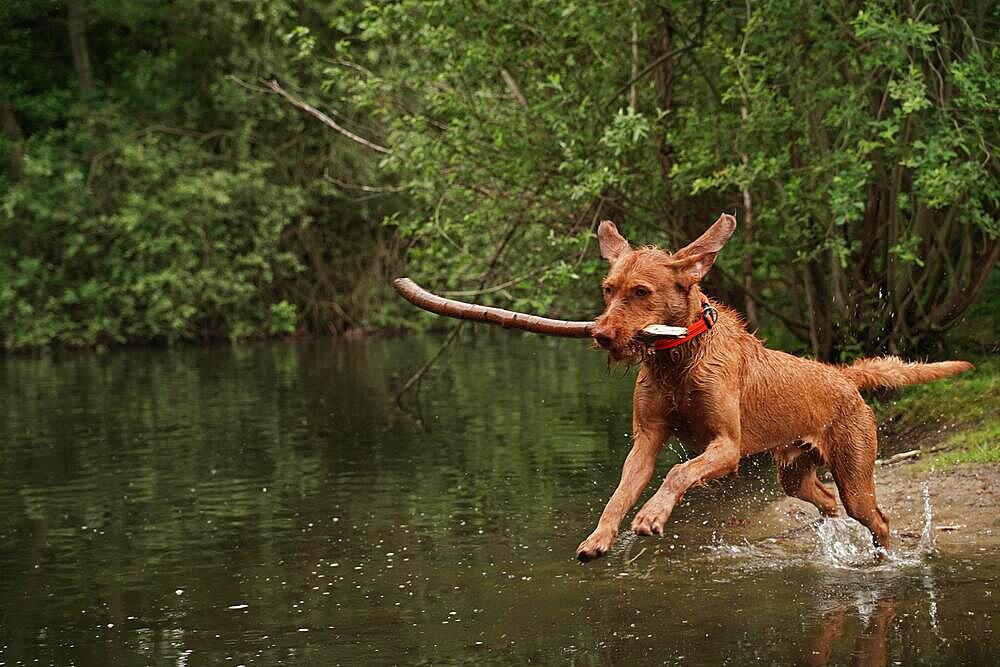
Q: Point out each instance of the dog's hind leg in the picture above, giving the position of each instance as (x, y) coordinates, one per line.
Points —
(823, 497)
(852, 450)
(797, 474)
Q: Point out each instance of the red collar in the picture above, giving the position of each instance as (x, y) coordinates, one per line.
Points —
(709, 316)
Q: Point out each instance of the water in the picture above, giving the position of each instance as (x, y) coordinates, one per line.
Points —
(267, 504)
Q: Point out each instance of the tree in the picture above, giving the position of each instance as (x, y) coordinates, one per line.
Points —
(152, 195)
(863, 134)
(870, 138)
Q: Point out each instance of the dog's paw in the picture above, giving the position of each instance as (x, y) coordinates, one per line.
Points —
(595, 546)
(651, 519)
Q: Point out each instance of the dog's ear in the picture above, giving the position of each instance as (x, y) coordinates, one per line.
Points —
(712, 240)
(695, 259)
(613, 244)
(694, 267)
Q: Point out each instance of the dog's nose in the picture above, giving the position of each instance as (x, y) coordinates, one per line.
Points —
(604, 337)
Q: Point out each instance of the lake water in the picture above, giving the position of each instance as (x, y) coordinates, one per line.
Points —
(268, 504)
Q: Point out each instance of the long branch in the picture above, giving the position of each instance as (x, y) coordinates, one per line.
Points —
(421, 298)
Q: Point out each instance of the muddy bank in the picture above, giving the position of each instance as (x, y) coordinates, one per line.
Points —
(965, 504)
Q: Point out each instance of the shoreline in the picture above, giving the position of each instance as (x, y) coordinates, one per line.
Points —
(965, 507)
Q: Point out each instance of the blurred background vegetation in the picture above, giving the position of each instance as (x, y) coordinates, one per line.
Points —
(163, 178)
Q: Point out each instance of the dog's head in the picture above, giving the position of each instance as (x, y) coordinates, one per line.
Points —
(647, 286)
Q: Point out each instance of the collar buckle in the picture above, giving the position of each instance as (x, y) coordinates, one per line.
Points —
(709, 314)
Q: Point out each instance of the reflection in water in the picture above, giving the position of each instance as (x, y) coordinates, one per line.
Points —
(870, 645)
(268, 504)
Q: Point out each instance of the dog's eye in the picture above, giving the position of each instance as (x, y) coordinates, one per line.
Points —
(608, 291)
(641, 292)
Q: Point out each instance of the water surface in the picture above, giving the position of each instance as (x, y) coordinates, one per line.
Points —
(268, 504)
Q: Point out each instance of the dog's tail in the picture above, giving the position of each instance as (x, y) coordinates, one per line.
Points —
(893, 372)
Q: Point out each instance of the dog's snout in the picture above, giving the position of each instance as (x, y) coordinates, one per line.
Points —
(604, 337)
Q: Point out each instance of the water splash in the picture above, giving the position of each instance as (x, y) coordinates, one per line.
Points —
(926, 544)
(845, 543)
(926, 547)
(866, 601)
(840, 543)
(746, 556)
(932, 603)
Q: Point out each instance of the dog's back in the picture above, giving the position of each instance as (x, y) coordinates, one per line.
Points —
(785, 398)
(782, 398)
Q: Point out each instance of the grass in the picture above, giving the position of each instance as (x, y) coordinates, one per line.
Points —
(958, 418)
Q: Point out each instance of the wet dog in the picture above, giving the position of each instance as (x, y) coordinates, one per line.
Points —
(726, 396)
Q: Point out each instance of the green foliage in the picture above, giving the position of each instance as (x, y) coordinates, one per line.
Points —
(973, 445)
(500, 192)
(168, 194)
(864, 134)
(173, 252)
(962, 408)
(283, 317)
(174, 200)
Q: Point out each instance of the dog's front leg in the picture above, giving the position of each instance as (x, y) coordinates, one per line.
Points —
(650, 431)
(721, 457)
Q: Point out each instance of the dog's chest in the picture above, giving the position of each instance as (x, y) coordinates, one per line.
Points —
(687, 419)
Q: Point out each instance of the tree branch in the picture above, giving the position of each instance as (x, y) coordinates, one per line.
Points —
(797, 327)
(748, 230)
(515, 90)
(12, 129)
(646, 70)
(77, 21)
(274, 87)
(634, 91)
(490, 266)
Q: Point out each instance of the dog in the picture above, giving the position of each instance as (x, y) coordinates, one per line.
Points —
(725, 396)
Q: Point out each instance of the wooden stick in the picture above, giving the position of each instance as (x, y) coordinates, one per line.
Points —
(902, 456)
(635, 557)
(421, 298)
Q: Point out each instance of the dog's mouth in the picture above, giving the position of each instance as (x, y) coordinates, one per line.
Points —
(630, 352)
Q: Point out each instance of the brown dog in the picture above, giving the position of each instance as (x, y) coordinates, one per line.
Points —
(726, 396)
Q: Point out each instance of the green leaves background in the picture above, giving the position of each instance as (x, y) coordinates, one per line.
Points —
(182, 200)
